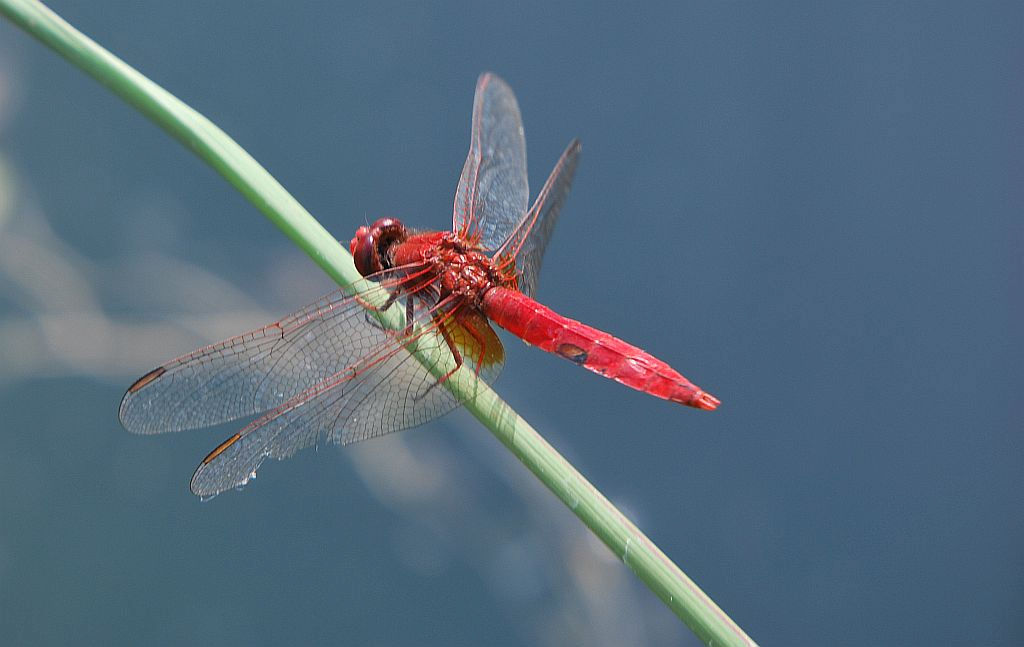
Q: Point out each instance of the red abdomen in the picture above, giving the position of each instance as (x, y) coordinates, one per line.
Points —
(591, 348)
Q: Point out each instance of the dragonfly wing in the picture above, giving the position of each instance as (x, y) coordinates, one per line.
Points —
(256, 371)
(529, 239)
(493, 193)
(389, 391)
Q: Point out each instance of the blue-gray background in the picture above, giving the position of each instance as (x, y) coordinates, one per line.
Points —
(813, 211)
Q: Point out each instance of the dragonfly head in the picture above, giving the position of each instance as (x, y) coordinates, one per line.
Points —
(371, 246)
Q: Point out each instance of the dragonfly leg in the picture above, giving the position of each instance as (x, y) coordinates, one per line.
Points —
(392, 297)
(475, 334)
(456, 355)
(442, 326)
(408, 317)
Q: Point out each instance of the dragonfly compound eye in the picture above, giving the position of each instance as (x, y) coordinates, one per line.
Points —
(371, 245)
(364, 251)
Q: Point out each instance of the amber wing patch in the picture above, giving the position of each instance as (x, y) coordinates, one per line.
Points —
(471, 329)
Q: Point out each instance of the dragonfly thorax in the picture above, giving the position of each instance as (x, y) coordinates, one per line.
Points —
(463, 270)
(451, 264)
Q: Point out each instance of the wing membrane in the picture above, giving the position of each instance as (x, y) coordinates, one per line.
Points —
(530, 238)
(384, 392)
(493, 192)
(256, 371)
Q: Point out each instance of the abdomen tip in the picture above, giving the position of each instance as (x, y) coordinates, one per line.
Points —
(704, 400)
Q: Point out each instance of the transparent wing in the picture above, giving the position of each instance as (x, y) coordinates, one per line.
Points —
(493, 193)
(261, 369)
(387, 391)
(527, 242)
(250, 373)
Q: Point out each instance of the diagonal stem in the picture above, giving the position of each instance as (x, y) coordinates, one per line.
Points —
(221, 152)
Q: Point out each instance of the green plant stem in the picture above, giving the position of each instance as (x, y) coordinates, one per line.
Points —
(218, 150)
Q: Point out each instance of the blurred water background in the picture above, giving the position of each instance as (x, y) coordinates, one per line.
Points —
(813, 210)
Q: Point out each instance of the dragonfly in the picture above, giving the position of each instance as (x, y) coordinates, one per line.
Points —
(337, 372)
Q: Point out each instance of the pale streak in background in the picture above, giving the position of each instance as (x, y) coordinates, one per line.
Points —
(546, 570)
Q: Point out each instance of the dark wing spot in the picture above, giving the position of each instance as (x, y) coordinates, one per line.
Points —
(220, 448)
(573, 353)
(146, 379)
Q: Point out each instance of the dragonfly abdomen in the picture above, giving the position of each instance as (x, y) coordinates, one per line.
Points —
(591, 348)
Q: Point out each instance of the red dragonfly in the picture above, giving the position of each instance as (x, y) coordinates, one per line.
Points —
(333, 372)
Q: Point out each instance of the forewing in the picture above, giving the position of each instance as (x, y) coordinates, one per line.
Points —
(493, 193)
(388, 391)
(256, 371)
(529, 239)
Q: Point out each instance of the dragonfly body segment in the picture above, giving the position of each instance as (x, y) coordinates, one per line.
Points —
(350, 367)
(458, 273)
(593, 349)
